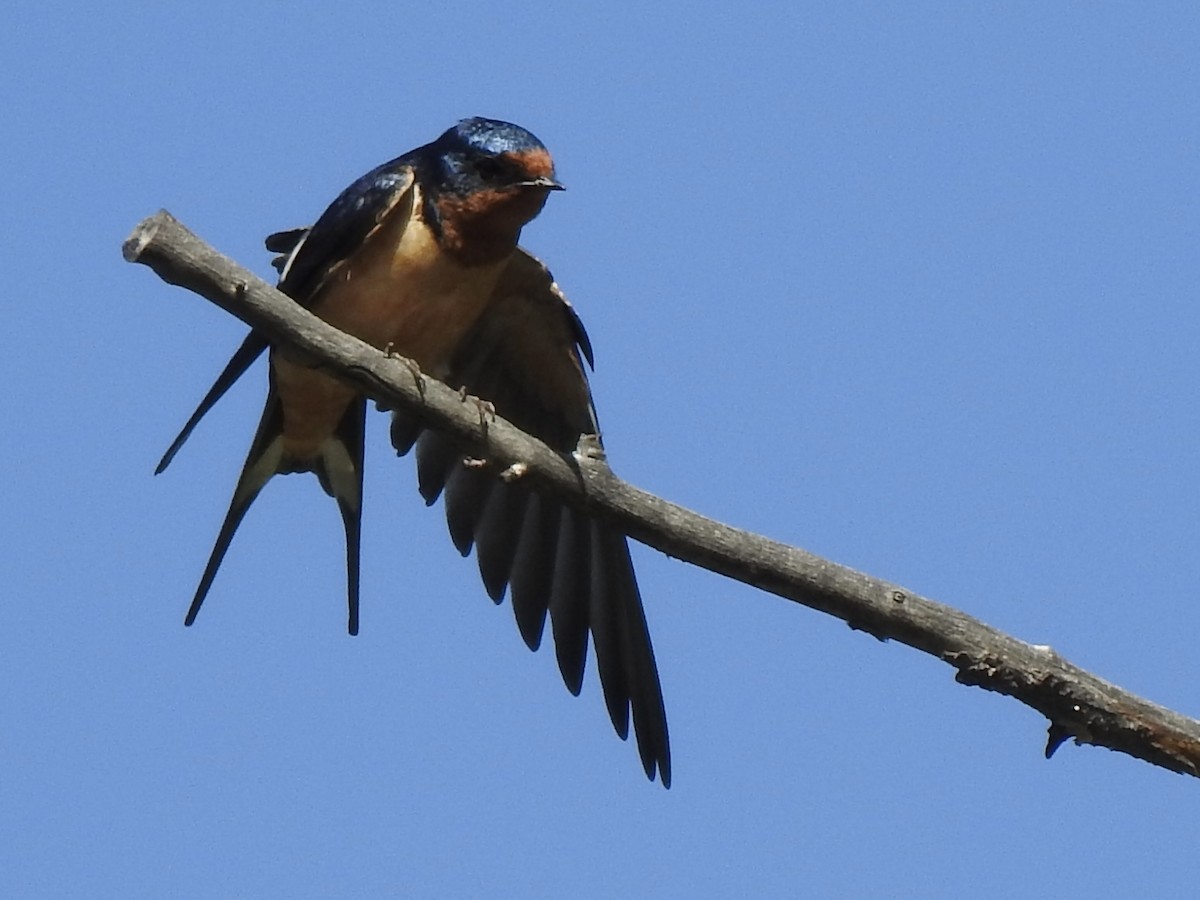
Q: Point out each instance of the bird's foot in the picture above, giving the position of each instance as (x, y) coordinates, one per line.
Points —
(413, 368)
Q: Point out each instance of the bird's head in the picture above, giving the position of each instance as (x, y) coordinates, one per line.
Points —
(483, 181)
(489, 155)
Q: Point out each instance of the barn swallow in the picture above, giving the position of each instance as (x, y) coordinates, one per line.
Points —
(420, 255)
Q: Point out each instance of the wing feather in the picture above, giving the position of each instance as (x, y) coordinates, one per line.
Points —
(309, 258)
(525, 356)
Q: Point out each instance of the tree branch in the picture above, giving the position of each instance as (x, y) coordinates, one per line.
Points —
(1077, 704)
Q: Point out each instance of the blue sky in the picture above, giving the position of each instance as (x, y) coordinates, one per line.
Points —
(912, 286)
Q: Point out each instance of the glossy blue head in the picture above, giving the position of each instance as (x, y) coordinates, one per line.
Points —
(492, 137)
(488, 155)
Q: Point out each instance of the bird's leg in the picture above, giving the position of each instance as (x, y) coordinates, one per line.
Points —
(486, 409)
(413, 368)
(515, 472)
(589, 447)
(487, 412)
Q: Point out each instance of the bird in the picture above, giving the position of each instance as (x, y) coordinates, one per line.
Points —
(420, 256)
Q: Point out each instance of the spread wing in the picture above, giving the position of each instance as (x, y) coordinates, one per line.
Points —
(311, 256)
(524, 356)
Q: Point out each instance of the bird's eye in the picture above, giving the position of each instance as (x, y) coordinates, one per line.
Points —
(489, 169)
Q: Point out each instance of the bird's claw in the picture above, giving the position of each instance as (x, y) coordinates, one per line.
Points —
(415, 370)
(589, 447)
(485, 408)
(515, 472)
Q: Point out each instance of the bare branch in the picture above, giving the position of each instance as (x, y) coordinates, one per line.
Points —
(1077, 704)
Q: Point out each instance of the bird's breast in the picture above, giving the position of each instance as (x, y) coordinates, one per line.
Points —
(400, 290)
(405, 291)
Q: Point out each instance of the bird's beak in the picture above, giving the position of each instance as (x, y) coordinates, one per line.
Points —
(548, 183)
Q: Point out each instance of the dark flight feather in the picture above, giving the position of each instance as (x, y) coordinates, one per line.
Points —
(525, 356)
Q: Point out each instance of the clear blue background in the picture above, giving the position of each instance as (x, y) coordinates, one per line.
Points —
(910, 285)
